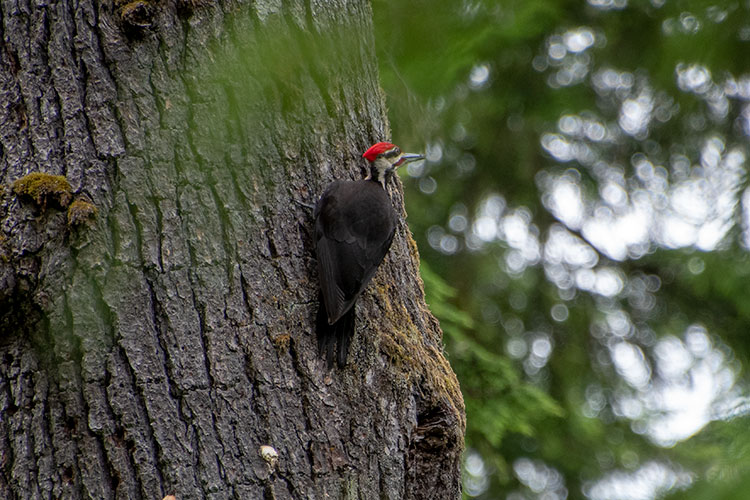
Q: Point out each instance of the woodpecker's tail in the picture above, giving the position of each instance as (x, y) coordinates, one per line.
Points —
(337, 336)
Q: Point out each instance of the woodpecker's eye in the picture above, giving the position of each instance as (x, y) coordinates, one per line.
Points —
(392, 153)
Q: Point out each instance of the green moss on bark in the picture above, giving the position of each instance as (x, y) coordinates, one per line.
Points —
(81, 212)
(44, 189)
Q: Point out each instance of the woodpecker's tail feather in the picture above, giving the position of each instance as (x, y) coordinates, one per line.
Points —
(335, 337)
(344, 335)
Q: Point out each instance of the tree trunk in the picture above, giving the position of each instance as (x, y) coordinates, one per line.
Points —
(157, 309)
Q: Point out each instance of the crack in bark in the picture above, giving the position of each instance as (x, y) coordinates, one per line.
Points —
(148, 443)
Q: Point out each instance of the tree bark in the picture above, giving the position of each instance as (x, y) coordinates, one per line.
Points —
(153, 347)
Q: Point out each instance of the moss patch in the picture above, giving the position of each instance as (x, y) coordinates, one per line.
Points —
(44, 189)
(404, 345)
(417, 356)
(81, 212)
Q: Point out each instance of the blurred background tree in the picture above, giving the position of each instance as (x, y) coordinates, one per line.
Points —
(584, 220)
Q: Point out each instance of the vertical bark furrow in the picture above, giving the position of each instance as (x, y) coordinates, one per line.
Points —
(39, 95)
(163, 393)
(6, 450)
(134, 438)
(201, 408)
(88, 469)
(21, 418)
(113, 461)
(17, 21)
(64, 477)
(101, 427)
(96, 480)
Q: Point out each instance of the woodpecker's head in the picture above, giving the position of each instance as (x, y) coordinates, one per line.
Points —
(385, 158)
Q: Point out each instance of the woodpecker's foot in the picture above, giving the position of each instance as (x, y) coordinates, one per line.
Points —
(306, 205)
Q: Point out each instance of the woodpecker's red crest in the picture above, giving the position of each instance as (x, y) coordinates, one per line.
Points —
(378, 149)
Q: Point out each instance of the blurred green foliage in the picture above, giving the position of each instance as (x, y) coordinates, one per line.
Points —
(579, 338)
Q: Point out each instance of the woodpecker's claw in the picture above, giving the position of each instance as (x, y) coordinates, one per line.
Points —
(306, 205)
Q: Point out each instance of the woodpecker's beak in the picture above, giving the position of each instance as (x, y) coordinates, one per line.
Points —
(407, 157)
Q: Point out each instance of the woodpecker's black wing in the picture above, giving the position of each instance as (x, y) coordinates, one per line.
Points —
(354, 227)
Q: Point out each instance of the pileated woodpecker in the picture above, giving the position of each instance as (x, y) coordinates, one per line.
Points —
(354, 226)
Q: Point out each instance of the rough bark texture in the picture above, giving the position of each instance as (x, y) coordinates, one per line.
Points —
(153, 348)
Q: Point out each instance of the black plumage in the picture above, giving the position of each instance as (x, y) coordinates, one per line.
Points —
(354, 227)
